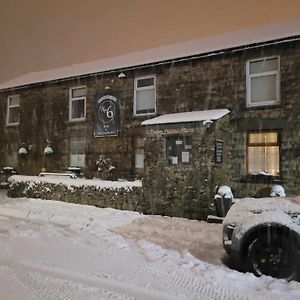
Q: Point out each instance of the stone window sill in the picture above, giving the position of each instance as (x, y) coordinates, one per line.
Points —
(261, 179)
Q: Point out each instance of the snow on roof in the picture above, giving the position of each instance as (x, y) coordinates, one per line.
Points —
(227, 40)
(192, 116)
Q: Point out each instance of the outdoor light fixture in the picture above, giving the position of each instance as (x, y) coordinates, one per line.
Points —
(121, 75)
(208, 124)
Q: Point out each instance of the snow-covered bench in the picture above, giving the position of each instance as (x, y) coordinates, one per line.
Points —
(57, 175)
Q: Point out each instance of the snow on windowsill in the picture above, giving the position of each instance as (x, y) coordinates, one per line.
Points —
(70, 183)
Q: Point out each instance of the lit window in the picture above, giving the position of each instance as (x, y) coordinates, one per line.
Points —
(77, 153)
(179, 150)
(77, 104)
(263, 153)
(144, 96)
(263, 82)
(13, 110)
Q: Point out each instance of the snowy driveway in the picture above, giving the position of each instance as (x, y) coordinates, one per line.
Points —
(55, 250)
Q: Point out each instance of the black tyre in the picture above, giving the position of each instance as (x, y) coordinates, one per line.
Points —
(273, 252)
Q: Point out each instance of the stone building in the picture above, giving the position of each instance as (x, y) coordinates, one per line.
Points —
(235, 120)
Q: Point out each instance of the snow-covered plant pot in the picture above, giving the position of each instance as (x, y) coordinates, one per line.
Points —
(277, 191)
(8, 171)
(224, 191)
(223, 200)
(48, 151)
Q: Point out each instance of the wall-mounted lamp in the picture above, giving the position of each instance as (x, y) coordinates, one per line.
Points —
(207, 124)
(121, 75)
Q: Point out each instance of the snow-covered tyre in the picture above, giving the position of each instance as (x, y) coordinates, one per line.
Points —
(274, 252)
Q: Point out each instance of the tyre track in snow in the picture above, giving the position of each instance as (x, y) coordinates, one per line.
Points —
(126, 274)
(46, 283)
(142, 277)
(41, 287)
(193, 287)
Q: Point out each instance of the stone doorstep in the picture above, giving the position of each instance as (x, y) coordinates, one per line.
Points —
(214, 219)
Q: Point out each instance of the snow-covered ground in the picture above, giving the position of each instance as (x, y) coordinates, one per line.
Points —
(56, 250)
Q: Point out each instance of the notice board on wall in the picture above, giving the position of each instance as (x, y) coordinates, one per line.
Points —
(218, 151)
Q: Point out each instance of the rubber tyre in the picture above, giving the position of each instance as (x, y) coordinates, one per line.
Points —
(273, 252)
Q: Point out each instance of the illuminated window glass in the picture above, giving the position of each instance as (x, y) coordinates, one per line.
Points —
(263, 153)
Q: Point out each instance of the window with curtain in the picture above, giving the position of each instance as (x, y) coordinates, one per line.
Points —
(263, 82)
(144, 95)
(263, 151)
(77, 153)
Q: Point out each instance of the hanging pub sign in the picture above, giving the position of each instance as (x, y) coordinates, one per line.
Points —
(218, 152)
(107, 116)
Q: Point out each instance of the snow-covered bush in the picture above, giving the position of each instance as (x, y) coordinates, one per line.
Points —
(277, 191)
(105, 169)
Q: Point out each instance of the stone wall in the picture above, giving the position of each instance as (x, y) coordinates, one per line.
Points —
(118, 198)
(44, 117)
(208, 82)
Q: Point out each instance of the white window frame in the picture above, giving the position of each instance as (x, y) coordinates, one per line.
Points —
(136, 89)
(255, 75)
(71, 99)
(8, 109)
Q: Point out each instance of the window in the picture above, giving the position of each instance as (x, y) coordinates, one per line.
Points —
(139, 153)
(11, 156)
(179, 150)
(263, 153)
(13, 110)
(77, 104)
(77, 153)
(263, 82)
(144, 95)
